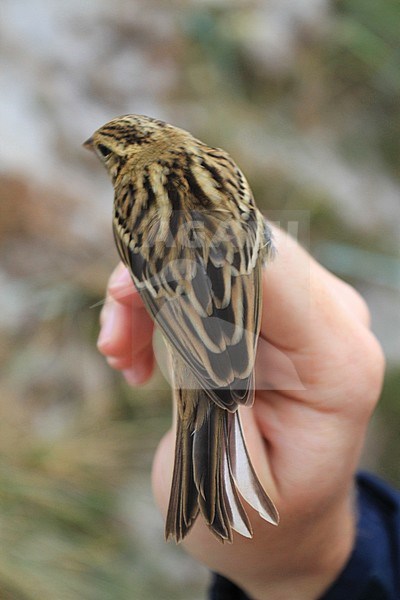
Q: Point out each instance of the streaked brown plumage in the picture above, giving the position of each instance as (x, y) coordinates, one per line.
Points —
(186, 226)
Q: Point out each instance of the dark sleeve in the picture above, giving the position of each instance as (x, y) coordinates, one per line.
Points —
(373, 569)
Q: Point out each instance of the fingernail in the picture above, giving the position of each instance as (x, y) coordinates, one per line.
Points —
(107, 326)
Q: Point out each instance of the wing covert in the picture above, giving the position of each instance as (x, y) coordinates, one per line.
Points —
(205, 297)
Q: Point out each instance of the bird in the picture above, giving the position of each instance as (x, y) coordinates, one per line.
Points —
(187, 228)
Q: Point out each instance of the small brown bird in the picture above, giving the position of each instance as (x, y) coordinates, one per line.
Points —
(186, 226)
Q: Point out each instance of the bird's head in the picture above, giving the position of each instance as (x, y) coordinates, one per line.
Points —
(128, 138)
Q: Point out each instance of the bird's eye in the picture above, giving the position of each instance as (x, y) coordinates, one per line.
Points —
(104, 150)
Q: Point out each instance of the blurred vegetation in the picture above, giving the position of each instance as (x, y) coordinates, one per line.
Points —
(389, 415)
(76, 515)
(369, 53)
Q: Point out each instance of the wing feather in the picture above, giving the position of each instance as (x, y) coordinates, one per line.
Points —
(206, 300)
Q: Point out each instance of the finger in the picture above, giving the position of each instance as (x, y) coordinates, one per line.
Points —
(349, 298)
(129, 347)
(299, 295)
(127, 330)
(120, 287)
(141, 370)
(275, 369)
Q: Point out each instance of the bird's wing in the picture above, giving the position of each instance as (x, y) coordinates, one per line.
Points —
(205, 296)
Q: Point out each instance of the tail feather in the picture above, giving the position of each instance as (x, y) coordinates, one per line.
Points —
(244, 474)
(239, 519)
(218, 500)
(211, 467)
(183, 502)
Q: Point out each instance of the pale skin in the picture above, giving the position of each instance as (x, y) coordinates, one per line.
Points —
(305, 442)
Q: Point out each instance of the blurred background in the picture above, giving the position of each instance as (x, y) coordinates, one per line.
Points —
(306, 97)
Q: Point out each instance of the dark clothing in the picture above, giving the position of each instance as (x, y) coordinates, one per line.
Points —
(373, 569)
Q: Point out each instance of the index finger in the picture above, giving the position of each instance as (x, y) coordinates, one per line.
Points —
(127, 329)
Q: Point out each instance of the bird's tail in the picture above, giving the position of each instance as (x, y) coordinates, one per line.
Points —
(212, 466)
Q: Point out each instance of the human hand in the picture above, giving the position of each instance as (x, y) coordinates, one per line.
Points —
(319, 375)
